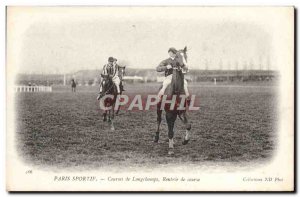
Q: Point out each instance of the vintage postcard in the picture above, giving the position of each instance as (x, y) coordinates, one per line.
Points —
(150, 98)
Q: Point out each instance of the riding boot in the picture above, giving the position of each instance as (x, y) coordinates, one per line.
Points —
(100, 95)
(122, 87)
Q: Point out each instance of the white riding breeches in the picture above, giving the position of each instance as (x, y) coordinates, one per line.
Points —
(117, 82)
(168, 81)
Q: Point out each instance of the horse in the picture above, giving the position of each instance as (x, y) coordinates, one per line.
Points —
(73, 85)
(175, 88)
(109, 89)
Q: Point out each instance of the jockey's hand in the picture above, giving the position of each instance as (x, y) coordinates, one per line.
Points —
(169, 66)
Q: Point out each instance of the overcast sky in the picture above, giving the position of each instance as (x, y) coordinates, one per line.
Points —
(67, 42)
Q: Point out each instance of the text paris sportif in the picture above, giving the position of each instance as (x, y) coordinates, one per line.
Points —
(101, 94)
(121, 179)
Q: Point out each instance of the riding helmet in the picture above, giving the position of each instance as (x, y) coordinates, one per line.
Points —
(173, 50)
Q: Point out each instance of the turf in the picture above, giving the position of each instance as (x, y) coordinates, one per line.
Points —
(235, 123)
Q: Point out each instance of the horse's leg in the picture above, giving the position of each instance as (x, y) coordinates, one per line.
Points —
(187, 127)
(117, 112)
(104, 113)
(171, 117)
(112, 115)
(159, 113)
(104, 116)
(108, 118)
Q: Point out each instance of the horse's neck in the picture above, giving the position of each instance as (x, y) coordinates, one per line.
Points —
(177, 84)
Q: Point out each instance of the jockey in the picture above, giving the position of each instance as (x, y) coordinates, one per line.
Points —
(167, 66)
(110, 69)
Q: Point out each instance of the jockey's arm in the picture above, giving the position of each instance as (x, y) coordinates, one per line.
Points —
(162, 66)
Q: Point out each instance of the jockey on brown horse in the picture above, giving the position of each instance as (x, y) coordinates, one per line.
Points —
(176, 87)
(115, 72)
(167, 66)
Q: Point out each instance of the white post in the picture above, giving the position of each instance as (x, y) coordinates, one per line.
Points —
(64, 79)
(215, 81)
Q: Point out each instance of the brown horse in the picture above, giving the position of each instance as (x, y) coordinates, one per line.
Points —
(108, 100)
(176, 88)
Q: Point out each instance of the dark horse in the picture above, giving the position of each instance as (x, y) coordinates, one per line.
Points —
(175, 88)
(109, 99)
(73, 85)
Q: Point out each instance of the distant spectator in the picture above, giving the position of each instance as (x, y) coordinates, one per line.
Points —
(73, 85)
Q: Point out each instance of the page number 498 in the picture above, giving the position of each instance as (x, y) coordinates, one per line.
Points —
(28, 172)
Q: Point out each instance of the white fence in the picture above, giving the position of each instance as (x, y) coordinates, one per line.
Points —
(33, 89)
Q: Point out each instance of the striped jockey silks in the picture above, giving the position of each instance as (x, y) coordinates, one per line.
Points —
(110, 70)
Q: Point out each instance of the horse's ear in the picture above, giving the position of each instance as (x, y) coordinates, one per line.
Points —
(185, 49)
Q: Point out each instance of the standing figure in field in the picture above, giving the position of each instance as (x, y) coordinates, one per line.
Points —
(167, 66)
(73, 85)
(174, 86)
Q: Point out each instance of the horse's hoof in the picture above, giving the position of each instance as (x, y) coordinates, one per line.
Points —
(156, 139)
(112, 128)
(167, 141)
(185, 142)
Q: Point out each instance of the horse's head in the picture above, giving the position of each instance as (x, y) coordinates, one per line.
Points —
(177, 82)
(122, 70)
(181, 56)
(106, 82)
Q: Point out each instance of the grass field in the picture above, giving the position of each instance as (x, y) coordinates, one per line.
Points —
(63, 129)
